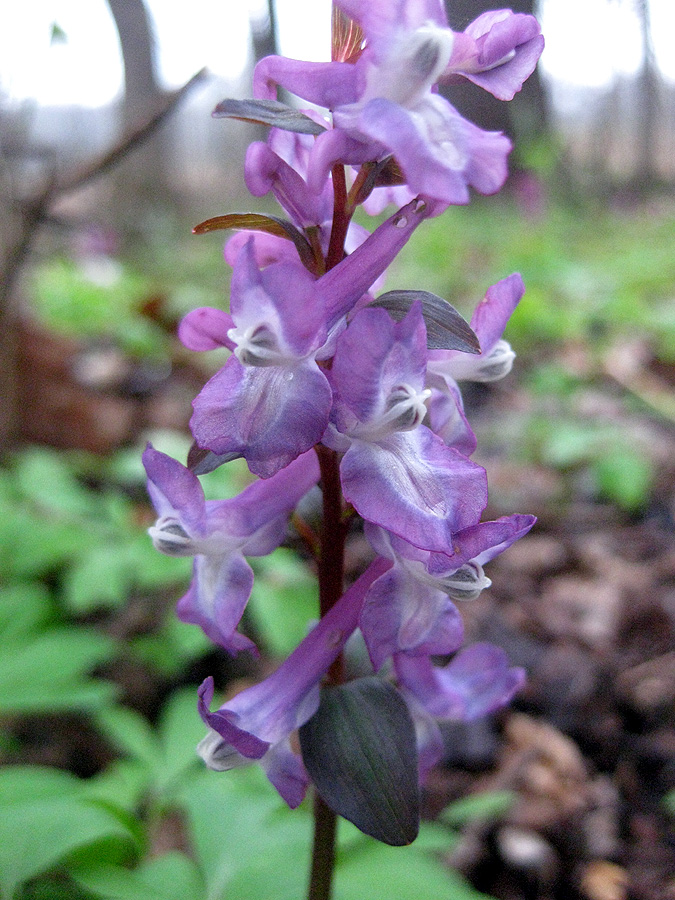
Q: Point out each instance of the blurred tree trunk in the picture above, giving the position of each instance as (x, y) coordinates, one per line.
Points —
(647, 174)
(264, 34)
(525, 118)
(265, 38)
(143, 183)
(141, 88)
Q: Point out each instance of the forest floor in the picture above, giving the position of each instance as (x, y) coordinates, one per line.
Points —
(586, 603)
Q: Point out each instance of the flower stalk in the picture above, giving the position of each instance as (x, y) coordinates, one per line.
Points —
(329, 384)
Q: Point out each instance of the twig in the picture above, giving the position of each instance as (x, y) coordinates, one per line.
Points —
(35, 210)
(33, 214)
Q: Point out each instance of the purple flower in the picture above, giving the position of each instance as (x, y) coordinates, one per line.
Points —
(387, 105)
(440, 153)
(270, 402)
(446, 413)
(404, 610)
(268, 248)
(219, 535)
(498, 51)
(206, 328)
(488, 322)
(409, 608)
(475, 683)
(257, 723)
(346, 283)
(280, 166)
(395, 471)
(323, 84)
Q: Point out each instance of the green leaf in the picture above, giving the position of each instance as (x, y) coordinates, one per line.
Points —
(485, 806)
(49, 673)
(403, 873)
(360, 750)
(68, 300)
(172, 876)
(36, 835)
(24, 609)
(174, 645)
(124, 782)
(268, 112)
(283, 601)
(25, 784)
(46, 478)
(180, 729)
(247, 843)
(130, 733)
(166, 753)
(100, 578)
(624, 476)
(32, 545)
(567, 442)
(152, 569)
(446, 329)
(175, 876)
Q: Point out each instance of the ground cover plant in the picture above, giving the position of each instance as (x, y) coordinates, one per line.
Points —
(100, 678)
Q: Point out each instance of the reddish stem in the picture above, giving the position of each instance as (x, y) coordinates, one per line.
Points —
(323, 853)
(341, 218)
(331, 576)
(331, 566)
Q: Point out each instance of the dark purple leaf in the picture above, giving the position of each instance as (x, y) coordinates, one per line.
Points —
(268, 112)
(361, 752)
(446, 329)
(202, 461)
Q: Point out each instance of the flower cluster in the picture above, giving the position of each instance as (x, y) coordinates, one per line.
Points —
(330, 381)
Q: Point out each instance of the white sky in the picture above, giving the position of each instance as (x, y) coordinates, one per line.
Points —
(589, 42)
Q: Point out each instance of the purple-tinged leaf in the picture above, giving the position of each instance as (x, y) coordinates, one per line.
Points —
(244, 222)
(201, 461)
(361, 752)
(372, 175)
(446, 329)
(257, 222)
(268, 112)
(389, 173)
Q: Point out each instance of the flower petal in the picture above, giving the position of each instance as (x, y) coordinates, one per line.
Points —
(415, 486)
(403, 615)
(247, 410)
(478, 681)
(221, 586)
(324, 84)
(175, 491)
(206, 329)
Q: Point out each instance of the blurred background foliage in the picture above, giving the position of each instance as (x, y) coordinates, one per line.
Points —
(101, 791)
